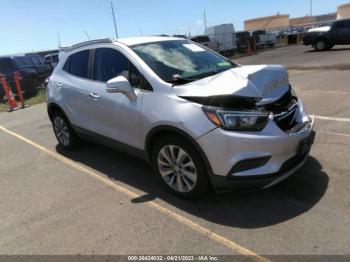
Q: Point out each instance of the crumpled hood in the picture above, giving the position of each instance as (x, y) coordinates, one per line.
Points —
(267, 82)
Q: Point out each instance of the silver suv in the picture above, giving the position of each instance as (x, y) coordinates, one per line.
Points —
(198, 118)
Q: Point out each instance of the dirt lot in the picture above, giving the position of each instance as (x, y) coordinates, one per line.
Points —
(98, 201)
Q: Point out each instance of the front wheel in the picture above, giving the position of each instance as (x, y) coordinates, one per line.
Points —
(320, 45)
(180, 167)
(63, 131)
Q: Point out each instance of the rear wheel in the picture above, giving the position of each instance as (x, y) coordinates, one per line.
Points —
(180, 167)
(63, 131)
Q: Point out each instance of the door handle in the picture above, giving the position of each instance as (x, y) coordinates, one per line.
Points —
(94, 96)
(59, 85)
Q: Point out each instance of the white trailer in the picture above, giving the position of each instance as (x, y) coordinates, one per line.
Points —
(225, 36)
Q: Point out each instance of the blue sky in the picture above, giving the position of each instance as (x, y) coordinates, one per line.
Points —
(33, 25)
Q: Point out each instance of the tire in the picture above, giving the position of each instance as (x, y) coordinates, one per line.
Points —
(321, 45)
(329, 47)
(185, 174)
(64, 132)
(32, 88)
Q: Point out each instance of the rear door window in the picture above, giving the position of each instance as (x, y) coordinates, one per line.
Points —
(77, 64)
(27, 61)
(6, 66)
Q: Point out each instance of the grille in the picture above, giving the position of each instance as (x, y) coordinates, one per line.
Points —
(287, 120)
(283, 104)
(284, 110)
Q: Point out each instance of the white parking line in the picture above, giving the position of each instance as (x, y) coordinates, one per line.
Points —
(179, 218)
(325, 92)
(336, 134)
(338, 119)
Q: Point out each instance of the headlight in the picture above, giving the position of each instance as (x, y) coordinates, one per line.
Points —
(237, 120)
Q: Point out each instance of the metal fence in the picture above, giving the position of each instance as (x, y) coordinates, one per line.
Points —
(242, 42)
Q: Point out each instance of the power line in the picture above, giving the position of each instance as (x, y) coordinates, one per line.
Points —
(115, 24)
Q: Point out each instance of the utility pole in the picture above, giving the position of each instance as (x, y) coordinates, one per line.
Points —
(58, 39)
(311, 7)
(87, 35)
(115, 24)
(205, 19)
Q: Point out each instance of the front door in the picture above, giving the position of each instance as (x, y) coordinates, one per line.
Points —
(115, 115)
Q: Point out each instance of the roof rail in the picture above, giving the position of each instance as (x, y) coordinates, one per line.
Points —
(91, 42)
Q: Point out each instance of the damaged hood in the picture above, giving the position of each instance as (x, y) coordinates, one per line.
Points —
(263, 82)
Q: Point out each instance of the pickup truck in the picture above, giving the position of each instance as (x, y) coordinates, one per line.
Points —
(264, 39)
(326, 37)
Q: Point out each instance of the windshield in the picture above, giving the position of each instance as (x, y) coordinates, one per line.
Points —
(178, 61)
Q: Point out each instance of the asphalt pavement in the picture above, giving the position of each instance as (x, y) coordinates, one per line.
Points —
(99, 201)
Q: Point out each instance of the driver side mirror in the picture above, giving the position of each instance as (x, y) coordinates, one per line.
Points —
(120, 84)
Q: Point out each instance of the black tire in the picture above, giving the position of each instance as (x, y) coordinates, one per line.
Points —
(30, 92)
(64, 132)
(200, 187)
(32, 88)
(329, 47)
(321, 45)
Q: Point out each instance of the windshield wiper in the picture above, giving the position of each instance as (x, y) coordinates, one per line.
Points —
(179, 80)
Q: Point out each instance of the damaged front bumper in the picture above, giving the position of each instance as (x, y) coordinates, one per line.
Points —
(257, 160)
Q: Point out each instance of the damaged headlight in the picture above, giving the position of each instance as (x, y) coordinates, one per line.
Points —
(237, 120)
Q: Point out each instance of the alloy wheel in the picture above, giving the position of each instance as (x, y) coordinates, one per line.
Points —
(177, 168)
(61, 131)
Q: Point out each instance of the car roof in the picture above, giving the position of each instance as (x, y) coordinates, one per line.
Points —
(146, 39)
(126, 41)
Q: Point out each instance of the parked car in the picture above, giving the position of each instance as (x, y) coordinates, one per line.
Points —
(51, 60)
(225, 36)
(198, 118)
(30, 79)
(326, 37)
(37, 62)
(206, 41)
(264, 39)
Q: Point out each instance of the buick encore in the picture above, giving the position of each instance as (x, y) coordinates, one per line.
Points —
(198, 118)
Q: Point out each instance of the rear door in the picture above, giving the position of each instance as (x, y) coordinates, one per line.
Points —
(77, 92)
(341, 32)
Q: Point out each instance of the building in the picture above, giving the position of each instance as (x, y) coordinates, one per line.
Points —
(310, 20)
(269, 23)
(344, 11)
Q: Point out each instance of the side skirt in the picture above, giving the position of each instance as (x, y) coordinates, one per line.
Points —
(108, 142)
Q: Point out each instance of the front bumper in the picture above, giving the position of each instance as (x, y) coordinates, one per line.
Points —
(226, 149)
